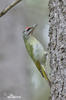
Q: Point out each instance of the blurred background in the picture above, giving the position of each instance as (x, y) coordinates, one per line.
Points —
(18, 74)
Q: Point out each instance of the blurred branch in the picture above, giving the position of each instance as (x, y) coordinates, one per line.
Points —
(4, 11)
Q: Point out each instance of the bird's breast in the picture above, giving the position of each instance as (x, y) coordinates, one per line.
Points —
(38, 50)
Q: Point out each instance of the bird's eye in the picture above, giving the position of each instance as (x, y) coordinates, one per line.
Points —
(28, 29)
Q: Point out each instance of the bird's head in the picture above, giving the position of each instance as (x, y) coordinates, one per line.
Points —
(28, 31)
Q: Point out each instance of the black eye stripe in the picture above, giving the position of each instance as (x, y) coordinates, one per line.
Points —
(28, 29)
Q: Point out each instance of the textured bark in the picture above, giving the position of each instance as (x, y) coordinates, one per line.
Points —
(57, 48)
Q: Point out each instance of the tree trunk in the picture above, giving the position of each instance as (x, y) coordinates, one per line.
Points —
(57, 48)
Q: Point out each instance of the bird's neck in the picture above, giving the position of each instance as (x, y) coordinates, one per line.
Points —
(26, 38)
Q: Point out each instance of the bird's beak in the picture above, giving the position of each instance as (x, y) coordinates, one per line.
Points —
(35, 25)
(33, 28)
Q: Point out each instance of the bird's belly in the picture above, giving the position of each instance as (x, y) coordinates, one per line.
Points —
(38, 52)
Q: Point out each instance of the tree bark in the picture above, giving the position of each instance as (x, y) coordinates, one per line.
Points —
(57, 48)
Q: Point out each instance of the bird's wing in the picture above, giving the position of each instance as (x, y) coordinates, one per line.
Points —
(42, 71)
(29, 49)
(46, 65)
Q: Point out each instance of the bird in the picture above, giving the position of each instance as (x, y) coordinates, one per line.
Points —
(36, 51)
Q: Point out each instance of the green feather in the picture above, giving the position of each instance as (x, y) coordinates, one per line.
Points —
(37, 53)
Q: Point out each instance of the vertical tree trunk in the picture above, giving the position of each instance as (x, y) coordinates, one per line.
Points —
(57, 48)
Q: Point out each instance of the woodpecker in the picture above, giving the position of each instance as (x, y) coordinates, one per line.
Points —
(35, 51)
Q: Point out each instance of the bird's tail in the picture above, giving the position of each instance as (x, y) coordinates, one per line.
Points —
(43, 73)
